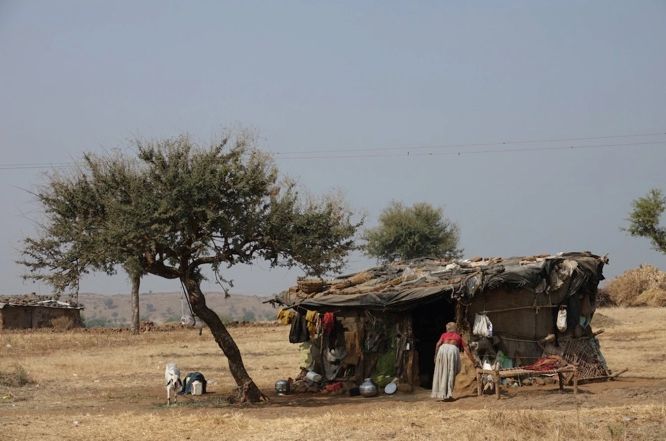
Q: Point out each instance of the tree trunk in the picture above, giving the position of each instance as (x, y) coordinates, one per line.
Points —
(247, 389)
(136, 321)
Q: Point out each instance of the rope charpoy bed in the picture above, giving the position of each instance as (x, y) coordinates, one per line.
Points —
(545, 366)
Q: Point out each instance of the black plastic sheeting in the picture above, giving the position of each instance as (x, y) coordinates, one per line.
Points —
(465, 282)
(390, 300)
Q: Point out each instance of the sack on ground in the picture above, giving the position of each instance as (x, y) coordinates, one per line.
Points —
(194, 383)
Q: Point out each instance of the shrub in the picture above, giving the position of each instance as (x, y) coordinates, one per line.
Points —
(604, 298)
(249, 315)
(655, 296)
(642, 286)
(16, 377)
(63, 323)
(97, 322)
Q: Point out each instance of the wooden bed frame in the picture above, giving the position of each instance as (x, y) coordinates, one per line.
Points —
(518, 372)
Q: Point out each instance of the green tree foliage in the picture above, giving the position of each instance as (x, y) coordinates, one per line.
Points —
(644, 219)
(410, 232)
(178, 207)
(91, 225)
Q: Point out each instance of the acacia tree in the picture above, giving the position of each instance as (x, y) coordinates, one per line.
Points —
(645, 216)
(410, 232)
(80, 234)
(184, 207)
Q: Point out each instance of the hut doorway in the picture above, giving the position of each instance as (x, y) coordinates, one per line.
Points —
(429, 321)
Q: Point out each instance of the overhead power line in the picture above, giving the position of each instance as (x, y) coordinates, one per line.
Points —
(426, 150)
(468, 145)
(408, 153)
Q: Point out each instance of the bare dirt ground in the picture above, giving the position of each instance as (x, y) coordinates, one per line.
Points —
(108, 386)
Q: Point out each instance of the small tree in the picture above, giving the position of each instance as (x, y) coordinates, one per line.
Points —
(80, 234)
(184, 207)
(410, 232)
(644, 219)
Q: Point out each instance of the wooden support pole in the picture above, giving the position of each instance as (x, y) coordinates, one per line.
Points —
(496, 377)
(478, 383)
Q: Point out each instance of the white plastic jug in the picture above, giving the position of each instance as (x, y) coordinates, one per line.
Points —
(313, 376)
(562, 319)
(197, 387)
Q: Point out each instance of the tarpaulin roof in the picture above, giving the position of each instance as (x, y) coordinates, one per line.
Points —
(403, 285)
(36, 300)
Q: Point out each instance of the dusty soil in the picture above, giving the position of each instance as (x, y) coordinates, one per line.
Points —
(108, 386)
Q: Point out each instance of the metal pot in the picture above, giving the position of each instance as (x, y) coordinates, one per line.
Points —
(282, 387)
(368, 388)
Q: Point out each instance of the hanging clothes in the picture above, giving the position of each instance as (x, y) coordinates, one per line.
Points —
(332, 358)
(299, 329)
(328, 322)
(328, 325)
(312, 320)
(285, 316)
(307, 359)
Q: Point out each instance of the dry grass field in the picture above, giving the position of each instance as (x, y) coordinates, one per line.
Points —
(88, 385)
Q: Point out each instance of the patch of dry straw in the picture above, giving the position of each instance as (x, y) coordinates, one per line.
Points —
(642, 286)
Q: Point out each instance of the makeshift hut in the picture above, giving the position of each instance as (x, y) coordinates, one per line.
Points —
(32, 311)
(384, 322)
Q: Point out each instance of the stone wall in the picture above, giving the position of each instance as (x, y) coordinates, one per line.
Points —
(26, 317)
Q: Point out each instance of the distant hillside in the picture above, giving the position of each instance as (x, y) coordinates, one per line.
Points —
(115, 310)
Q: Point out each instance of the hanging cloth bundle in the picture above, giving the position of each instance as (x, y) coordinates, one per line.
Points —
(483, 327)
(562, 319)
(328, 323)
(299, 329)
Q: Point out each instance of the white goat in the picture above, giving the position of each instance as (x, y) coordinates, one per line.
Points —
(172, 381)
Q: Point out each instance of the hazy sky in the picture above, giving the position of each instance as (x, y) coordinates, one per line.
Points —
(372, 97)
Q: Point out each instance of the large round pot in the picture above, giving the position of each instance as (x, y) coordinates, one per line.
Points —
(282, 387)
(368, 388)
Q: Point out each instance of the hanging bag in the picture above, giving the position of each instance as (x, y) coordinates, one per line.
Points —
(562, 319)
(483, 327)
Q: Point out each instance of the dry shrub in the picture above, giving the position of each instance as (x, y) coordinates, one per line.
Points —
(17, 376)
(652, 297)
(642, 286)
(604, 298)
(63, 323)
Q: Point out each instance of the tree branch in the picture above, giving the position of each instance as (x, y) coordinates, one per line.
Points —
(160, 269)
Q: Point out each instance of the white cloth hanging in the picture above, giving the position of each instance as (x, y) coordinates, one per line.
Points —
(483, 327)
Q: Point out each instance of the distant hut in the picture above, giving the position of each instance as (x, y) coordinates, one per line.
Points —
(384, 322)
(32, 311)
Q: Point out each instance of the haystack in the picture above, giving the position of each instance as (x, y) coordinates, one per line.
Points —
(642, 286)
